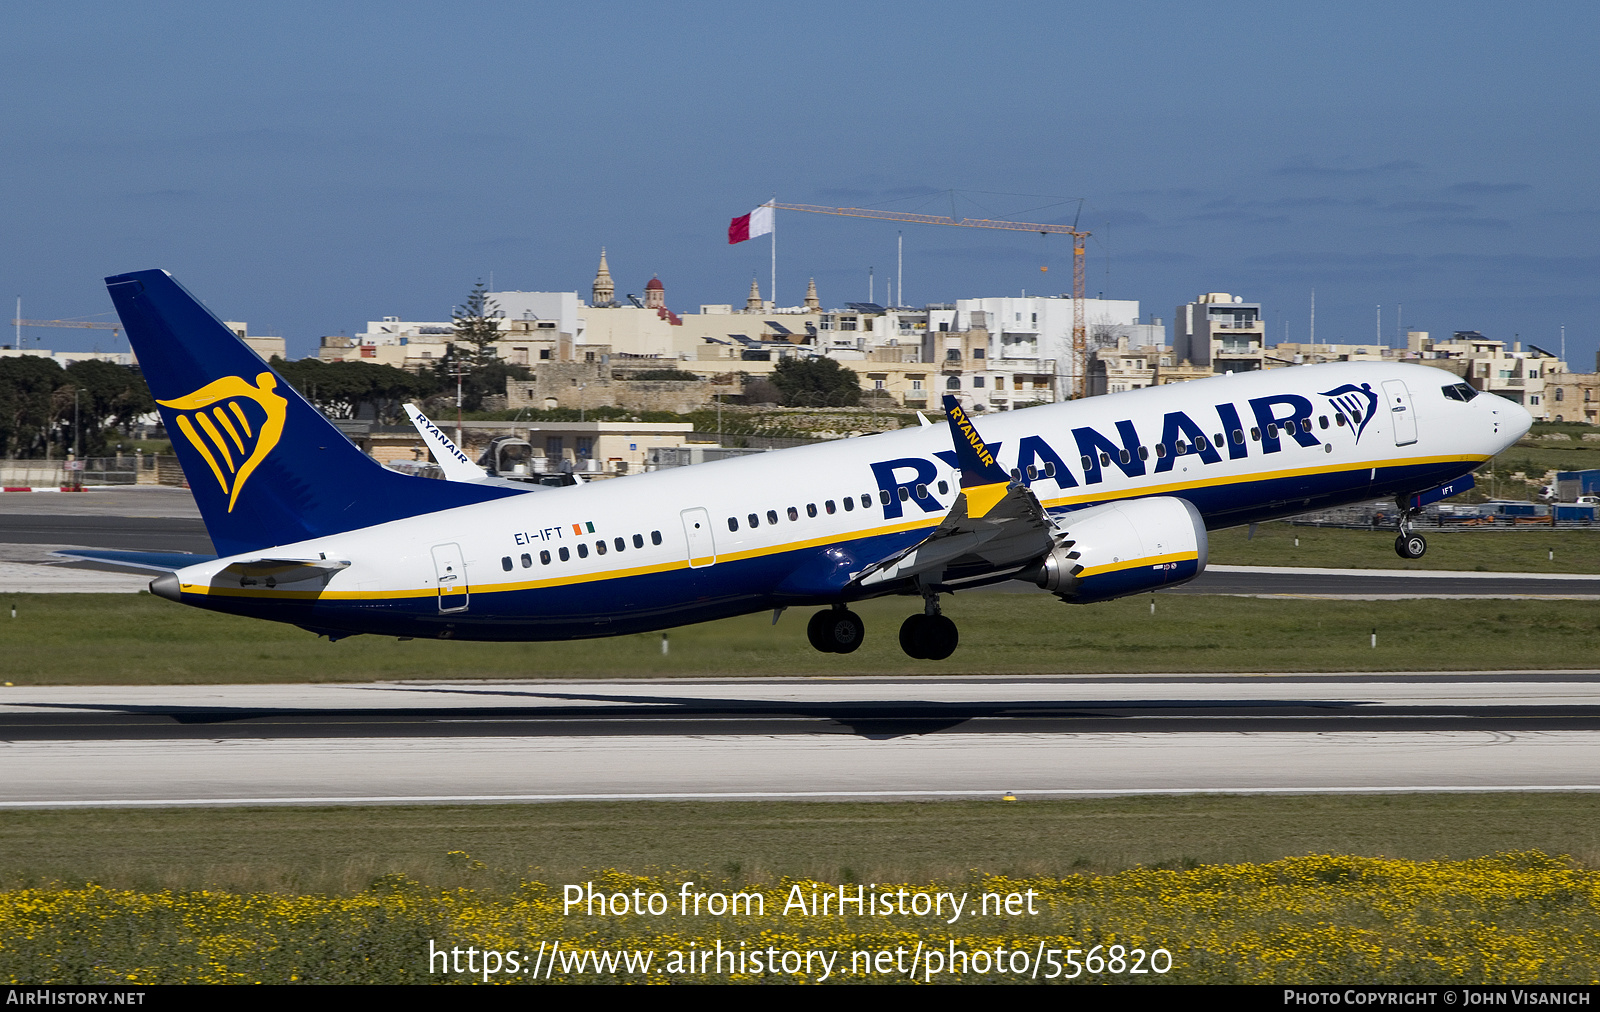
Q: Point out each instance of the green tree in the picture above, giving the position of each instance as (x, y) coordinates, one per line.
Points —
(110, 397)
(816, 383)
(341, 389)
(478, 327)
(27, 395)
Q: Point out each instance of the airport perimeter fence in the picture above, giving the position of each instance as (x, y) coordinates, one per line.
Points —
(126, 469)
(1382, 514)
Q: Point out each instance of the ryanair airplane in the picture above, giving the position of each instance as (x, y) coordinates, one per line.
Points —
(1090, 500)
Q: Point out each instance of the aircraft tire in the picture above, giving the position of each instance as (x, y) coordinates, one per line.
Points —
(940, 638)
(845, 631)
(912, 636)
(817, 631)
(1411, 546)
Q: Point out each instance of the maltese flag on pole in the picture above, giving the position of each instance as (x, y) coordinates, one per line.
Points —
(748, 226)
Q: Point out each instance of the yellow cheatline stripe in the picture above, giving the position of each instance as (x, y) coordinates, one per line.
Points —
(233, 433)
(560, 581)
(1151, 560)
(200, 444)
(982, 498)
(238, 413)
(216, 437)
(1128, 493)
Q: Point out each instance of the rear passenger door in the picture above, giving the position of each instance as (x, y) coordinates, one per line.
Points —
(451, 573)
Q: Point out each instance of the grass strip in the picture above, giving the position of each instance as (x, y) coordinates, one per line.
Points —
(136, 639)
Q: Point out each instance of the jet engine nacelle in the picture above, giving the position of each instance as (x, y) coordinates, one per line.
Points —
(1123, 548)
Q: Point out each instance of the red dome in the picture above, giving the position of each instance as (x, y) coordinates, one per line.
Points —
(655, 285)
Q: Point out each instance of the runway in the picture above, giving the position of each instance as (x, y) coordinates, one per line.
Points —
(798, 738)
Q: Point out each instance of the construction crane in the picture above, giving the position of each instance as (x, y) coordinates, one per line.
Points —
(1080, 338)
(19, 323)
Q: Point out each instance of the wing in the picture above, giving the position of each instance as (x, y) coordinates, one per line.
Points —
(995, 523)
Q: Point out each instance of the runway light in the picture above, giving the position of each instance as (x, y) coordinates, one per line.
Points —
(1009, 797)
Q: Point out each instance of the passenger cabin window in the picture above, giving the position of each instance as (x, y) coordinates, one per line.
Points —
(944, 488)
(733, 523)
(1322, 421)
(755, 521)
(544, 558)
(794, 514)
(1161, 450)
(830, 507)
(1255, 433)
(527, 561)
(638, 541)
(505, 563)
(883, 495)
(600, 548)
(583, 551)
(655, 537)
(565, 555)
(1338, 419)
(905, 493)
(1088, 462)
(866, 500)
(922, 491)
(621, 544)
(849, 502)
(811, 509)
(1033, 472)
(1238, 437)
(772, 516)
(1144, 453)
(1272, 431)
(1049, 470)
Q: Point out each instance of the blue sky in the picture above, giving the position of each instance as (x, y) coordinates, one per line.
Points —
(308, 168)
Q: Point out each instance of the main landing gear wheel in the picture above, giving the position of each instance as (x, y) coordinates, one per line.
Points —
(1410, 546)
(929, 637)
(835, 631)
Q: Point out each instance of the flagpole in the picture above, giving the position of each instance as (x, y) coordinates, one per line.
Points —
(773, 290)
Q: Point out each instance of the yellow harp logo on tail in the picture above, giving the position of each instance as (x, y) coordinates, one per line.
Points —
(233, 426)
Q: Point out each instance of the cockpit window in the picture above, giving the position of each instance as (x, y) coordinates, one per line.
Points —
(1459, 392)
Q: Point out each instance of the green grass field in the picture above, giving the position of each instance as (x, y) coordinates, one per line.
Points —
(343, 850)
(139, 639)
(1511, 550)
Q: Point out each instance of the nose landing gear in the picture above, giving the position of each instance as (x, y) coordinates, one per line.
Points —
(1409, 545)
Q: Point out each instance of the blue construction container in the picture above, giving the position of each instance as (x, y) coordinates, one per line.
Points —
(1567, 513)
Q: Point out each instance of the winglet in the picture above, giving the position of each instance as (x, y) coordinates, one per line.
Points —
(982, 478)
(457, 466)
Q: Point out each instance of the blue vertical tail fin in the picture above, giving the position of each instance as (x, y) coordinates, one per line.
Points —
(265, 467)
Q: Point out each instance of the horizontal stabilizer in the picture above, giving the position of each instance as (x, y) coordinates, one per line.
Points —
(160, 562)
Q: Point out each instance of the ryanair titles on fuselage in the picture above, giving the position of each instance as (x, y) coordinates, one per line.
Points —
(1272, 417)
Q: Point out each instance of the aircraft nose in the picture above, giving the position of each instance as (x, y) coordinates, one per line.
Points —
(1518, 420)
